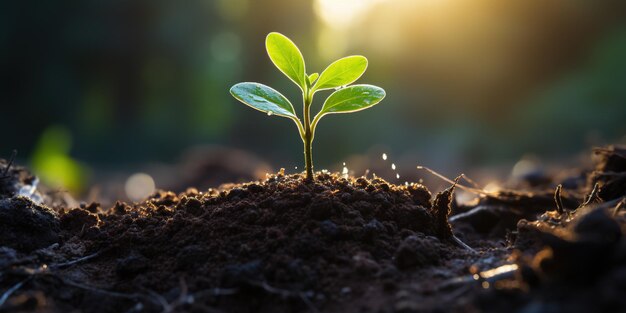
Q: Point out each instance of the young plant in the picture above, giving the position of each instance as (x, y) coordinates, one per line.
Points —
(338, 75)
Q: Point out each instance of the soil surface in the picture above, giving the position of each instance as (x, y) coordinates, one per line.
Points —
(338, 244)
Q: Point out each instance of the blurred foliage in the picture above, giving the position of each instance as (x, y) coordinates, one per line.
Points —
(52, 163)
(468, 82)
(590, 98)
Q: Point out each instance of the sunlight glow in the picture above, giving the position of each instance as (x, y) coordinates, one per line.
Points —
(342, 13)
(329, 37)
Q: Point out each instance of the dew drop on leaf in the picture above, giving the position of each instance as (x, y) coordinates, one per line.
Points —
(259, 99)
(269, 113)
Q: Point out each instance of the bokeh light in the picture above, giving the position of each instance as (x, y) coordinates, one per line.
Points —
(139, 186)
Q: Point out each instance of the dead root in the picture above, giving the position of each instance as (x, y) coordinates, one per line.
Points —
(283, 293)
(183, 298)
(10, 291)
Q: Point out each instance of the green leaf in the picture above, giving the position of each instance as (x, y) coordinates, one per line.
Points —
(286, 56)
(352, 99)
(342, 72)
(313, 77)
(263, 98)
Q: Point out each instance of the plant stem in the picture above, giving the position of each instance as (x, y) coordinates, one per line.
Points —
(308, 135)
(308, 158)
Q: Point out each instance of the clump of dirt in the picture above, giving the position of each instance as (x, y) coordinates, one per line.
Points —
(610, 172)
(26, 226)
(13, 178)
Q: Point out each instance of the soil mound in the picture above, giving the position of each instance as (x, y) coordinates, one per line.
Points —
(338, 244)
(282, 236)
(280, 245)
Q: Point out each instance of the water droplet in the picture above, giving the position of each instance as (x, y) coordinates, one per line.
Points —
(365, 93)
(393, 166)
(398, 176)
(344, 171)
(296, 167)
(385, 156)
(269, 113)
(259, 99)
(344, 163)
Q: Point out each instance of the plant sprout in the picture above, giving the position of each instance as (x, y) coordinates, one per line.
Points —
(338, 75)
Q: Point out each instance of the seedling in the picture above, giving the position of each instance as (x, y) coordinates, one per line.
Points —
(338, 75)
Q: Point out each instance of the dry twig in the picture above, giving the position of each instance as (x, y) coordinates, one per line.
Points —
(286, 294)
(10, 291)
(619, 206)
(558, 199)
(76, 261)
(5, 173)
(593, 195)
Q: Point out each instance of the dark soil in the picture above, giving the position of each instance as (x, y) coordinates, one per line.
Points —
(336, 245)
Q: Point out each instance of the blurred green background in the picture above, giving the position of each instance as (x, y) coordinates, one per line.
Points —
(95, 86)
